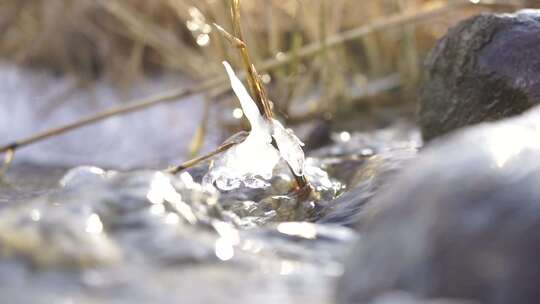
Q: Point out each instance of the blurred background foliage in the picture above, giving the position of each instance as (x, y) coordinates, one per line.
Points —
(122, 41)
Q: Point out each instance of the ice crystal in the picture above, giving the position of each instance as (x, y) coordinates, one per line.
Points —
(251, 163)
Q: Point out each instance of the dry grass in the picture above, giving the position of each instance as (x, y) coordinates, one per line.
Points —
(122, 40)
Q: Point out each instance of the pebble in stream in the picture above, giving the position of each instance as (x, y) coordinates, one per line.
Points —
(486, 68)
(460, 222)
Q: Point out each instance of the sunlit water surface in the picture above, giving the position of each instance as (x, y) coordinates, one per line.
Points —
(92, 235)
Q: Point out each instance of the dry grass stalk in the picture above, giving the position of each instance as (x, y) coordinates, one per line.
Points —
(229, 143)
(255, 83)
(285, 59)
(198, 138)
(8, 159)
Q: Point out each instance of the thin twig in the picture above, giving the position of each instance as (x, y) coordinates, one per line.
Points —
(200, 133)
(192, 162)
(229, 143)
(8, 159)
(177, 94)
(170, 96)
(326, 73)
(255, 82)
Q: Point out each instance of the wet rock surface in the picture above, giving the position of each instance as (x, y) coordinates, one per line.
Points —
(367, 170)
(486, 68)
(460, 223)
(374, 176)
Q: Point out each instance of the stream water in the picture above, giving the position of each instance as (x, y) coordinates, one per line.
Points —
(86, 234)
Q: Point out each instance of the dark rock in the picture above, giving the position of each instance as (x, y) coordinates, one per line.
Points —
(319, 136)
(486, 68)
(462, 221)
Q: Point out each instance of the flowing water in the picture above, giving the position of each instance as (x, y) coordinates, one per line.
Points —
(91, 235)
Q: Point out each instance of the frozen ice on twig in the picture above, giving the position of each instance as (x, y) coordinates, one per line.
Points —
(252, 162)
(290, 147)
(257, 122)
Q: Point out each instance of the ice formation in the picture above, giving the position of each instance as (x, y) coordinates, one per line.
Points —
(290, 147)
(252, 162)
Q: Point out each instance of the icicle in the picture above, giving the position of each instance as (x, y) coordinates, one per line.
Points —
(252, 162)
(257, 122)
(290, 147)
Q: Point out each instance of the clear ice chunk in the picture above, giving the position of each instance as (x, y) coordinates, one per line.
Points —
(290, 147)
(252, 162)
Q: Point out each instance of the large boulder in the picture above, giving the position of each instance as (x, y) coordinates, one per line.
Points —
(461, 222)
(484, 69)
